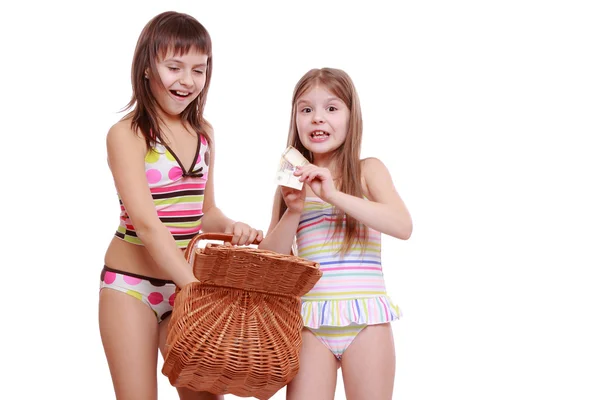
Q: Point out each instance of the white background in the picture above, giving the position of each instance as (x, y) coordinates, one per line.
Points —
(484, 112)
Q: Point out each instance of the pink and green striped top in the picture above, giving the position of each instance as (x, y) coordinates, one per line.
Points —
(352, 288)
(177, 192)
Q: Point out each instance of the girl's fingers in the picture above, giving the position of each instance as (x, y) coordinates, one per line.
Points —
(251, 237)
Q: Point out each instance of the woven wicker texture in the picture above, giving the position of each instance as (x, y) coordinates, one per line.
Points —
(238, 330)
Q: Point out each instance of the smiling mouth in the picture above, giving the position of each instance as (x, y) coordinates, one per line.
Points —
(319, 134)
(180, 94)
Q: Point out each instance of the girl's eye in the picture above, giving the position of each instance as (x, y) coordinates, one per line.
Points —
(306, 110)
(173, 69)
(199, 72)
(331, 108)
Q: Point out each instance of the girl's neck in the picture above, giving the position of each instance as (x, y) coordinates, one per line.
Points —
(326, 161)
(168, 121)
(172, 124)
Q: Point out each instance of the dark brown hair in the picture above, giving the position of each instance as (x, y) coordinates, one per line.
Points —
(347, 156)
(169, 31)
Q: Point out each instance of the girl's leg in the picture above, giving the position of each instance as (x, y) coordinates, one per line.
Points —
(317, 376)
(369, 364)
(184, 394)
(129, 333)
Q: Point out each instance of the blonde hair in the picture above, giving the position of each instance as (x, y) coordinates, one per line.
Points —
(347, 156)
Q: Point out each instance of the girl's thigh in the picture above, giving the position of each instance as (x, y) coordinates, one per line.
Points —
(369, 364)
(129, 332)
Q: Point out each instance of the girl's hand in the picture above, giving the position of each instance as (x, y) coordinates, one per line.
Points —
(294, 199)
(243, 234)
(319, 179)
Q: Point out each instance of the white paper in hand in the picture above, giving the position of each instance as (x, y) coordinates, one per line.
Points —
(290, 159)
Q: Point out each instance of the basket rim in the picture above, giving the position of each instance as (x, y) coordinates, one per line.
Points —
(207, 284)
(259, 252)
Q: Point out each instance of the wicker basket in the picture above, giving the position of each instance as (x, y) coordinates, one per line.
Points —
(238, 330)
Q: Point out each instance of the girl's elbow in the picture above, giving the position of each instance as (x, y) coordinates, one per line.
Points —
(146, 231)
(406, 235)
(405, 231)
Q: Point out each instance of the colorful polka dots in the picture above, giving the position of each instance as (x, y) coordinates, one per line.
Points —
(109, 277)
(165, 315)
(135, 294)
(131, 280)
(176, 190)
(158, 294)
(155, 298)
(153, 176)
(158, 282)
(163, 168)
(152, 156)
(175, 173)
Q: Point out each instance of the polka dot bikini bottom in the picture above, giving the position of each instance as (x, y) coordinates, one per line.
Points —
(158, 294)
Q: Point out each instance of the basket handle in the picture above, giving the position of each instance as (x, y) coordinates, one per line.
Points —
(225, 237)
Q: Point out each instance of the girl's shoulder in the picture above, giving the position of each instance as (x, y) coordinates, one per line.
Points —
(371, 163)
(123, 134)
(123, 127)
(371, 168)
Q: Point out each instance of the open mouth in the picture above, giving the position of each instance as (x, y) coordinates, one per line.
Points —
(319, 134)
(179, 94)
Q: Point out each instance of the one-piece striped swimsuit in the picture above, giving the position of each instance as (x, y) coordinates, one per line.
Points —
(352, 289)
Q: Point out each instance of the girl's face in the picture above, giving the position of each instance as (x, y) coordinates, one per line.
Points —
(322, 120)
(181, 79)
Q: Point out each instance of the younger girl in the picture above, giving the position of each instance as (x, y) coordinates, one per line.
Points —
(161, 156)
(336, 219)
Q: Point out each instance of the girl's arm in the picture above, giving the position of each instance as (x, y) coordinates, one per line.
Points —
(386, 211)
(126, 153)
(214, 220)
(281, 233)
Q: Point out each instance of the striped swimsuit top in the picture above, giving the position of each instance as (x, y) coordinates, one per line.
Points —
(352, 288)
(177, 191)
